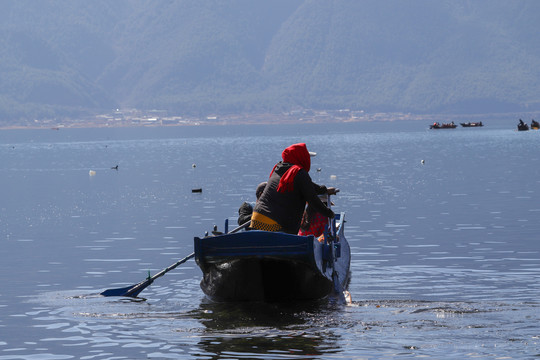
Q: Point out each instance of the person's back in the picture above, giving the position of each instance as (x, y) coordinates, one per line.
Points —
(246, 209)
(286, 208)
(289, 187)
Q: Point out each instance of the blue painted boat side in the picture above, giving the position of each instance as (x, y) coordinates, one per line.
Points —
(253, 243)
(272, 266)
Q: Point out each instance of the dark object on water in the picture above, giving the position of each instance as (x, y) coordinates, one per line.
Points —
(198, 190)
(273, 266)
(472, 124)
(114, 167)
(443, 126)
(522, 126)
(535, 125)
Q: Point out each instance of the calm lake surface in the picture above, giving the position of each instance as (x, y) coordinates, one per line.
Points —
(445, 253)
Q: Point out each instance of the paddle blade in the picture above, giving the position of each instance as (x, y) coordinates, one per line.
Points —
(136, 290)
(129, 291)
(117, 292)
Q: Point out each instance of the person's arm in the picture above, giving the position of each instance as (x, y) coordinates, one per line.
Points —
(319, 189)
(322, 189)
(310, 195)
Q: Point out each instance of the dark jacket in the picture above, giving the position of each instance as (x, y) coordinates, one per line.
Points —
(287, 208)
(244, 213)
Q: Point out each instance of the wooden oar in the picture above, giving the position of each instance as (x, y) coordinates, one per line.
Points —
(134, 290)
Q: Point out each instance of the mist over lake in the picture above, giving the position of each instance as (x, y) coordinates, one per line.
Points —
(75, 61)
(445, 251)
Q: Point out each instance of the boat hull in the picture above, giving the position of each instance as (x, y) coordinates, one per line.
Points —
(269, 266)
(443, 126)
(478, 124)
(264, 280)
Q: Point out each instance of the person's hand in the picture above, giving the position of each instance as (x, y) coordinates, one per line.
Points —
(332, 190)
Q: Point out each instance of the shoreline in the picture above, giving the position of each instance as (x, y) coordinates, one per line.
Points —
(260, 119)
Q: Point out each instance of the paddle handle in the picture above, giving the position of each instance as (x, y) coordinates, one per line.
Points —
(243, 226)
(190, 256)
(173, 266)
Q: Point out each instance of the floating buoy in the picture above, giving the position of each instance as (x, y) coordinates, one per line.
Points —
(198, 190)
(91, 173)
(423, 161)
(194, 166)
(312, 153)
(319, 169)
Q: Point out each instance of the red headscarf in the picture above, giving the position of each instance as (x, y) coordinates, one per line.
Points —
(298, 155)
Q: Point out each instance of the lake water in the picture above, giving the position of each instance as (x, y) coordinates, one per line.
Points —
(445, 253)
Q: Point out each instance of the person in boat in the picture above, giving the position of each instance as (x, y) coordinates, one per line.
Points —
(289, 188)
(246, 209)
(534, 123)
(521, 123)
(313, 222)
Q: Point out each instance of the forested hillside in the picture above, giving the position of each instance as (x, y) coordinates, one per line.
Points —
(65, 58)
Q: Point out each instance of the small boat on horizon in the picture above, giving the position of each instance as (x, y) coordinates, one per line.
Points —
(472, 124)
(522, 126)
(437, 125)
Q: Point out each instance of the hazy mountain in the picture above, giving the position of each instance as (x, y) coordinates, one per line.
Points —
(68, 57)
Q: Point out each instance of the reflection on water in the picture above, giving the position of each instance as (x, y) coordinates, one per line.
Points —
(445, 257)
(212, 329)
(169, 328)
(262, 329)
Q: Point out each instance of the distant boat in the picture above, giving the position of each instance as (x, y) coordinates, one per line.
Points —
(522, 126)
(535, 125)
(443, 126)
(472, 124)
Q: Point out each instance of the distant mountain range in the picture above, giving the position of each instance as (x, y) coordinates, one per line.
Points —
(67, 58)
